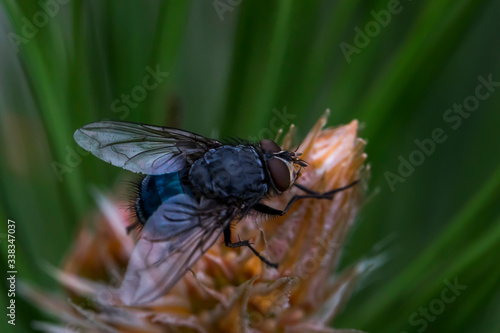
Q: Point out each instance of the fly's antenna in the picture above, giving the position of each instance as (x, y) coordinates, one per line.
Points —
(295, 159)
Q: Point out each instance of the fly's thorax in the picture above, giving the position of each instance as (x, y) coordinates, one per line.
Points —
(230, 172)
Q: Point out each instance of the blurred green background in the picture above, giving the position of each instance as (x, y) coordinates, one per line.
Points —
(233, 67)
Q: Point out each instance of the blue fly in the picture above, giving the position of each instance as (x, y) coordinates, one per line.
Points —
(193, 189)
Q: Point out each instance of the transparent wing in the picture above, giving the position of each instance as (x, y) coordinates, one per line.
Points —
(173, 240)
(143, 148)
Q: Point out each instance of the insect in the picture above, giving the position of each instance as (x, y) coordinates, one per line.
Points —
(193, 189)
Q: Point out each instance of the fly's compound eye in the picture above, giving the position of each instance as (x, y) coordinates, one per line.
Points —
(270, 146)
(280, 174)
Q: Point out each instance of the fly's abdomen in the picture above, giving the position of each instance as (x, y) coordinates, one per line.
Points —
(153, 191)
(229, 172)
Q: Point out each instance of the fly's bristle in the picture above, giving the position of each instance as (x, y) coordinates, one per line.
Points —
(234, 141)
(133, 186)
(134, 227)
(132, 193)
(301, 162)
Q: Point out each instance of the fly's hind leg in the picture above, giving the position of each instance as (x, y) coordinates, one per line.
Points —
(229, 243)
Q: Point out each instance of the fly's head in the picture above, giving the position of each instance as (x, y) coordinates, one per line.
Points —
(283, 166)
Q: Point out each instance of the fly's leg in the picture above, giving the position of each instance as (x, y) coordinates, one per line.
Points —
(273, 211)
(310, 194)
(227, 241)
(326, 195)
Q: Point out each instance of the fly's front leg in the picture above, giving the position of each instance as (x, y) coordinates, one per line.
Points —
(260, 207)
(229, 243)
(327, 195)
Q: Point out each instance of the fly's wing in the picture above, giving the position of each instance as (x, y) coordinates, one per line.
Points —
(147, 149)
(173, 240)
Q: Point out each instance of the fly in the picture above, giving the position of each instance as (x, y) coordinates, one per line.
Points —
(193, 189)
